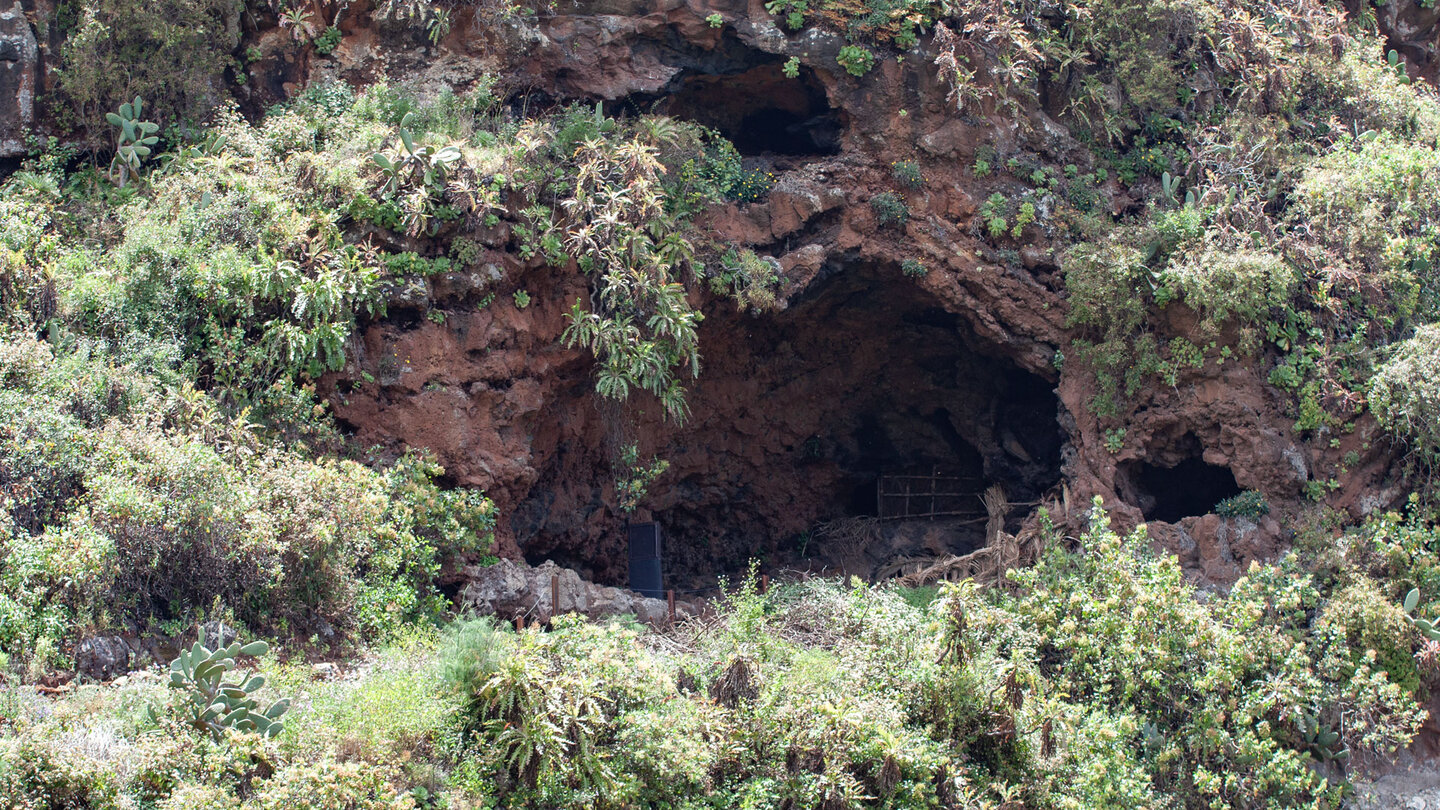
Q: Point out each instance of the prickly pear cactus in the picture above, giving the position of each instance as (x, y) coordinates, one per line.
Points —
(214, 703)
(133, 142)
(1429, 628)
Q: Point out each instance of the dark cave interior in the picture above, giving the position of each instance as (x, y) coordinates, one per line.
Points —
(759, 109)
(799, 414)
(1178, 484)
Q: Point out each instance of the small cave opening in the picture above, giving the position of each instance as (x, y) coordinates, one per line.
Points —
(759, 109)
(859, 426)
(1170, 492)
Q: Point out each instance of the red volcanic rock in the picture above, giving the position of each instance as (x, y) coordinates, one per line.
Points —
(860, 371)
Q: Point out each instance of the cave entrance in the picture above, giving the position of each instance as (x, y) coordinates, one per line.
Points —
(759, 109)
(1189, 487)
(819, 416)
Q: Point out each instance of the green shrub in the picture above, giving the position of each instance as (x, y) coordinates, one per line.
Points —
(908, 173)
(752, 185)
(328, 41)
(1374, 631)
(137, 523)
(856, 60)
(890, 208)
(47, 775)
(1231, 284)
(172, 53)
(200, 797)
(1248, 504)
(1405, 394)
(914, 268)
(1124, 618)
(327, 785)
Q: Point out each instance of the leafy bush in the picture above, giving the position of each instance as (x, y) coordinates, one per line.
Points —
(1238, 284)
(890, 208)
(1405, 394)
(172, 53)
(908, 173)
(326, 785)
(1235, 744)
(1248, 504)
(136, 523)
(856, 60)
(1097, 680)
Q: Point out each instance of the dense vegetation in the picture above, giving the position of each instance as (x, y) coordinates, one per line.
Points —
(163, 450)
(1096, 679)
(164, 459)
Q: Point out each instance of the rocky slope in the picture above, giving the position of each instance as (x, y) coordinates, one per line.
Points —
(862, 369)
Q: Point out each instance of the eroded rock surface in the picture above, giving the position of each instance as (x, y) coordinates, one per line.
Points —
(863, 370)
(19, 58)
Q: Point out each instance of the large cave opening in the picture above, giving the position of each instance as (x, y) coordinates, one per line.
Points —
(860, 425)
(758, 108)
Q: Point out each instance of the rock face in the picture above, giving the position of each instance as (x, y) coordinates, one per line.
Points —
(509, 590)
(864, 370)
(101, 658)
(1411, 29)
(19, 57)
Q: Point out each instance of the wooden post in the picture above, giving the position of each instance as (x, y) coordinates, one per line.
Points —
(554, 596)
(519, 622)
(764, 583)
(670, 597)
(934, 478)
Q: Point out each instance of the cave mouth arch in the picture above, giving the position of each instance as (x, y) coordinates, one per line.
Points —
(799, 414)
(1170, 489)
(759, 109)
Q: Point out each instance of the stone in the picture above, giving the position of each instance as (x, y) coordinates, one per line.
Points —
(100, 658)
(19, 58)
(218, 634)
(509, 589)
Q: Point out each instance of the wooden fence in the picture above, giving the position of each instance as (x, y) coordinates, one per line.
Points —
(936, 494)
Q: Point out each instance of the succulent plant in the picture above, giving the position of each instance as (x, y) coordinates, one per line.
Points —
(424, 163)
(1427, 627)
(214, 704)
(133, 142)
(1322, 739)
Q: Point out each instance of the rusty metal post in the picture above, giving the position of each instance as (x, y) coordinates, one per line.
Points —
(764, 583)
(520, 622)
(670, 597)
(554, 596)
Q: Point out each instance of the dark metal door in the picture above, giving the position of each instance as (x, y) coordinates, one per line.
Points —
(645, 568)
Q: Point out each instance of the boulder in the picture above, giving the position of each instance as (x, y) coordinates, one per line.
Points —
(100, 658)
(509, 589)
